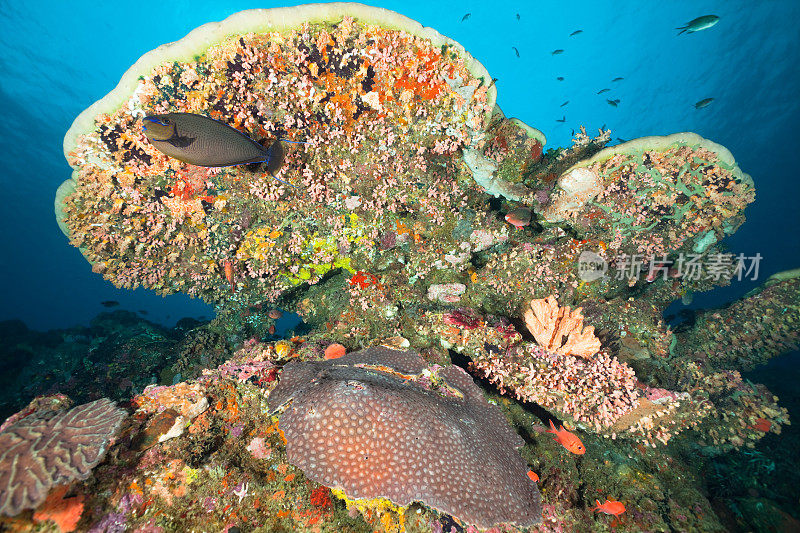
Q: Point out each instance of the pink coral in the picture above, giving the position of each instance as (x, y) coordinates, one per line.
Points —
(259, 449)
(596, 392)
(550, 323)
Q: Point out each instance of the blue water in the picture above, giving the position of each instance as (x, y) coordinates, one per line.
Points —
(56, 58)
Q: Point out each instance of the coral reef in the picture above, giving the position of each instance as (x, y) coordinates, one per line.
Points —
(392, 235)
(654, 196)
(116, 356)
(765, 326)
(382, 112)
(549, 324)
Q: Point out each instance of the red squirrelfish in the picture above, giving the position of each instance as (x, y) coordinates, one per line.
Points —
(762, 424)
(609, 507)
(567, 439)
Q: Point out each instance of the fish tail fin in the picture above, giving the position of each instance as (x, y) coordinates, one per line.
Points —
(552, 427)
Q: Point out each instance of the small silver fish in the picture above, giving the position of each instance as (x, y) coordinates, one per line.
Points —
(560, 78)
(612, 102)
(698, 24)
(617, 79)
(563, 119)
(465, 17)
(517, 16)
(565, 103)
(576, 32)
(515, 50)
(601, 91)
(556, 52)
(703, 103)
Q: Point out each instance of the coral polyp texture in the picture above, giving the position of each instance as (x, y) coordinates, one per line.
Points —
(380, 423)
(381, 107)
(48, 447)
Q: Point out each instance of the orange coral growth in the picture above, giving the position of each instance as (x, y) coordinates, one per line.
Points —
(320, 497)
(550, 323)
(335, 351)
(65, 512)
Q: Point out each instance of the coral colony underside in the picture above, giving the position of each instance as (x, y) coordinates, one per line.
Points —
(389, 240)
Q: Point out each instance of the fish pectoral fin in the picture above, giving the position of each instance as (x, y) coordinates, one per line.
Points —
(180, 142)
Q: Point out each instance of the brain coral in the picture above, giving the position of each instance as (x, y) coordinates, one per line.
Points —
(51, 447)
(379, 423)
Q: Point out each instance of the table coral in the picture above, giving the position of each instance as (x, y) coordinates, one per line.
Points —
(750, 331)
(381, 110)
(655, 195)
(594, 392)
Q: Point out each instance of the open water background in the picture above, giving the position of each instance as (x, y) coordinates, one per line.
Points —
(56, 58)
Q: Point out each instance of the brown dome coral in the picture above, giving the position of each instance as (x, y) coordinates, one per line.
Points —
(380, 423)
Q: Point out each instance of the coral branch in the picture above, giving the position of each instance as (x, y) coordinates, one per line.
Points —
(550, 323)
